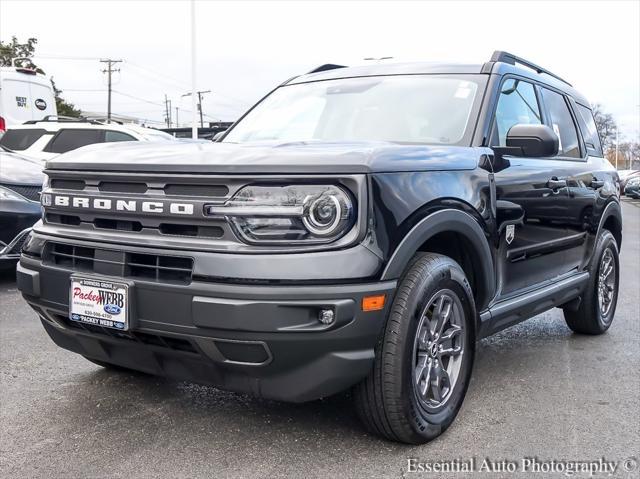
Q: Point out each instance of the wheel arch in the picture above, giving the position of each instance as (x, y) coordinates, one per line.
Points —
(611, 220)
(465, 229)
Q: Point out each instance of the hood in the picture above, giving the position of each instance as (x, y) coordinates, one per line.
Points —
(273, 158)
(16, 169)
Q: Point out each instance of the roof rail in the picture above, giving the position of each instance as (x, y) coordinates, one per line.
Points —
(506, 57)
(325, 67)
(62, 119)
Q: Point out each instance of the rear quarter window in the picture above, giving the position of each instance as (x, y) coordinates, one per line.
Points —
(111, 136)
(67, 140)
(19, 140)
(589, 131)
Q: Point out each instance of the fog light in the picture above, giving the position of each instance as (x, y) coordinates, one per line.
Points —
(326, 316)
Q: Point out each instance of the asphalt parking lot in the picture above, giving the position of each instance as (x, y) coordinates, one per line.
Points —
(537, 391)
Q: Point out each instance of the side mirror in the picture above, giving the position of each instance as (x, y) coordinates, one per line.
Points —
(537, 141)
(218, 135)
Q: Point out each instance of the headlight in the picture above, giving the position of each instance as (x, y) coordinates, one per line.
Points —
(7, 194)
(309, 214)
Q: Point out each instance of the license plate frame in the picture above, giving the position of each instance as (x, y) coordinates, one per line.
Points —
(87, 310)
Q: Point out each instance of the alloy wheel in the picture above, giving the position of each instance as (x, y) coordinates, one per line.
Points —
(438, 350)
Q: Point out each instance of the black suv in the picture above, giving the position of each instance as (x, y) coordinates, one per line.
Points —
(359, 227)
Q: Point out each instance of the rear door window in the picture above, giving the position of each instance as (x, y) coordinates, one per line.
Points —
(19, 140)
(70, 139)
(589, 131)
(111, 135)
(561, 122)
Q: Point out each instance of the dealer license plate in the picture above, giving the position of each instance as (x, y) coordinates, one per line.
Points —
(99, 302)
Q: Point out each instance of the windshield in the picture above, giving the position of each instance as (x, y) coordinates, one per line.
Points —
(431, 109)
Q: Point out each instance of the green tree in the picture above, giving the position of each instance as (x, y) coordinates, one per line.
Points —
(64, 108)
(25, 52)
(15, 49)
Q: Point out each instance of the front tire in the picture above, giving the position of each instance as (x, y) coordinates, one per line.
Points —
(595, 313)
(424, 359)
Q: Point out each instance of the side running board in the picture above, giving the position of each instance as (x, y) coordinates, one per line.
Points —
(511, 311)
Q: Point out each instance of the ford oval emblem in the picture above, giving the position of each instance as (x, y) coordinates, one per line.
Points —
(112, 308)
(41, 104)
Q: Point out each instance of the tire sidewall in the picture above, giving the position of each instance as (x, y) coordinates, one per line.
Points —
(445, 276)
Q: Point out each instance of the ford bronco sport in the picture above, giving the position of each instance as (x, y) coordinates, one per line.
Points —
(359, 227)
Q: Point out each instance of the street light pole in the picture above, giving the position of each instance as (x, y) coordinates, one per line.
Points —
(194, 113)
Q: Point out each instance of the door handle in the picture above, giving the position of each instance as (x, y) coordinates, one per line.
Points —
(554, 183)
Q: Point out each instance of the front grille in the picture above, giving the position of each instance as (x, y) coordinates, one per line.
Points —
(30, 192)
(151, 267)
(169, 229)
(138, 187)
(15, 245)
(169, 342)
(16, 248)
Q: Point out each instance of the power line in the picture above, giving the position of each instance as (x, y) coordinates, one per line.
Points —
(85, 89)
(133, 97)
(65, 57)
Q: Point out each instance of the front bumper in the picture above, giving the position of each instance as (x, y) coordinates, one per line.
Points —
(261, 339)
(16, 220)
(632, 191)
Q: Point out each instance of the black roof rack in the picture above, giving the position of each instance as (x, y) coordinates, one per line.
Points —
(506, 57)
(62, 119)
(325, 67)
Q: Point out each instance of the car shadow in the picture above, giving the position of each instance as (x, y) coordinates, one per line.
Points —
(119, 399)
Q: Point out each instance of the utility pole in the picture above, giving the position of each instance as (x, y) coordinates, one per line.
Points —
(199, 106)
(177, 118)
(167, 111)
(109, 70)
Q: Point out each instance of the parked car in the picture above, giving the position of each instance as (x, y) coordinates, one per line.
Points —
(632, 187)
(25, 95)
(359, 227)
(20, 184)
(625, 176)
(52, 136)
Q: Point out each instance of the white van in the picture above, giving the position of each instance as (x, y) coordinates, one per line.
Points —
(25, 95)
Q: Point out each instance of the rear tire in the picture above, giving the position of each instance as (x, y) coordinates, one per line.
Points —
(424, 359)
(597, 308)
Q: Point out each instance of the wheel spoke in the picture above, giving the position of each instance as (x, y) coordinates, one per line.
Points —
(451, 333)
(436, 378)
(443, 314)
(425, 387)
(420, 367)
(424, 336)
(450, 351)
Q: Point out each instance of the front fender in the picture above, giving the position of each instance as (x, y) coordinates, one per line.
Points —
(447, 220)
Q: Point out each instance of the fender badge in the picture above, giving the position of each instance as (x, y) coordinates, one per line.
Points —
(511, 233)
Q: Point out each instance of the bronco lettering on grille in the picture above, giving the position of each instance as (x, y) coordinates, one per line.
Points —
(107, 204)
